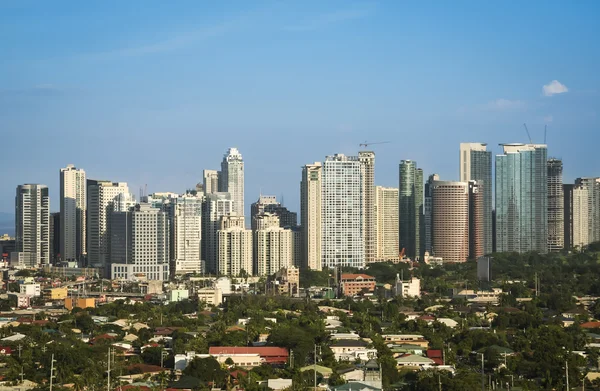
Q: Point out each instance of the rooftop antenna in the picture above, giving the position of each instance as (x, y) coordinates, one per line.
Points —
(528, 135)
(282, 203)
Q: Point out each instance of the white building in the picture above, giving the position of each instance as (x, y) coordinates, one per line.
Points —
(386, 207)
(274, 250)
(211, 181)
(367, 161)
(310, 205)
(140, 244)
(101, 197)
(234, 247)
(185, 213)
(30, 290)
(32, 225)
(210, 295)
(215, 206)
(73, 207)
(410, 288)
(342, 214)
(231, 178)
(580, 216)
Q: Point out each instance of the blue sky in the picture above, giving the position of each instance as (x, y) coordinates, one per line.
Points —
(153, 92)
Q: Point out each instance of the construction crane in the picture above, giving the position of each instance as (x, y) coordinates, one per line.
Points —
(528, 135)
(366, 144)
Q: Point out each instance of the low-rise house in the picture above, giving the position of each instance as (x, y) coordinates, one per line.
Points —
(412, 339)
(414, 361)
(338, 336)
(324, 371)
(350, 350)
(279, 384)
(353, 284)
(448, 322)
(270, 355)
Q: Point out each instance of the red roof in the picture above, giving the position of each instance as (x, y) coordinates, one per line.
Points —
(591, 325)
(434, 353)
(5, 350)
(356, 276)
(130, 387)
(270, 354)
(145, 368)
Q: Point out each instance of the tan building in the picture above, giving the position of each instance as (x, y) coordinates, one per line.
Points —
(73, 206)
(386, 207)
(580, 217)
(352, 284)
(274, 250)
(288, 280)
(80, 302)
(56, 293)
(476, 221)
(234, 247)
(450, 217)
(310, 205)
(367, 160)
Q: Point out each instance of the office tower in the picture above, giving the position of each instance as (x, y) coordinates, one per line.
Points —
(476, 165)
(568, 215)
(139, 244)
(310, 215)
(556, 223)
(185, 216)
(410, 208)
(580, 216)
(231, 179)
(386, 217)
(476, 220)
(269, 204)
(522, 198)
(593, 192)
(258, 207)
(234, 247)
(214, 207)
(450, 205)
(55, 255)
(484, 269)
(73, 205)
(342, 243)
(32, 225)
(211, 181)
(367, 160)
(101, 196)
(427, 215)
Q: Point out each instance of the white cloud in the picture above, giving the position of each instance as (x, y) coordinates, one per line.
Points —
(554, 87)
(504, 105)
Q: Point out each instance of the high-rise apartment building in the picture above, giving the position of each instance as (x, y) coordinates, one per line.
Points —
(101, 196)
(215, 206)
(234, 246)
(410, 208)
(367, 161)
(73, 205)
(556, 201)
(476, 221)
(275, 250)
(269, 204)
(580, 216)
(32, 226)
(55, 256)
(231, 179)
(139, 244)
(185, 215)
(476, 165)
(210, 181)
(428, 214)
(386, 212)
(342, 215)
(450, 203)
(568, 215)
(522, 198)
(310, 214)
(593, 192)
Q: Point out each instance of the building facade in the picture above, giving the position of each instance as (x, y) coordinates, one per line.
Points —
(73, 207)
(451, 220)
(342, 242)
(592, 185)
(476, 165)
(214, 207)
(428, 214)
(522, 198)
(185, 215)
(556, 205)
(386, 207)
(231, 179)
(581, 216)
(140, 244)
(32, 225)
(234, 247)
(101, 196)
(476, 220)
(367, 161)
(210, 181)
(274, 250)
(410, 208)
(310, 214)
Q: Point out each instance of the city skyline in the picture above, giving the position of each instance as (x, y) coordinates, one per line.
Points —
(337, 72)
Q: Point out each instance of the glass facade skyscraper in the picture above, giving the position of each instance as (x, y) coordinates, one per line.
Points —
(522, 198)
(411, 208)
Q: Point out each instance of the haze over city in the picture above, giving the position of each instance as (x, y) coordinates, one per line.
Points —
(153, 93)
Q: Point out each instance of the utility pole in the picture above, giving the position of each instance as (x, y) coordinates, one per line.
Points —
(482, 374)
(52, 361)
(108, 381)
(20, 348)
(315, 367)
(567, 373)
(439, 383)
(22, 374)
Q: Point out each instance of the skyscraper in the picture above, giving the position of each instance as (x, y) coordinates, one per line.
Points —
(269, 204)
(231, 179)
(476, 165)
(185, 216)
(214, 207)
(367, 161)
(73, 206)
(522, 198)
(568, 215)
(234, 246)
(450, 205)
(101, 197)
(275, 250)
(139, 243)
(410, 208)
(476, 221)
(386, 207)
(556, 239)
(580, 214)
(428, 213)
(592, 186)
(310, 214)
(342, 242)
(210, 181)
(32, 225)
